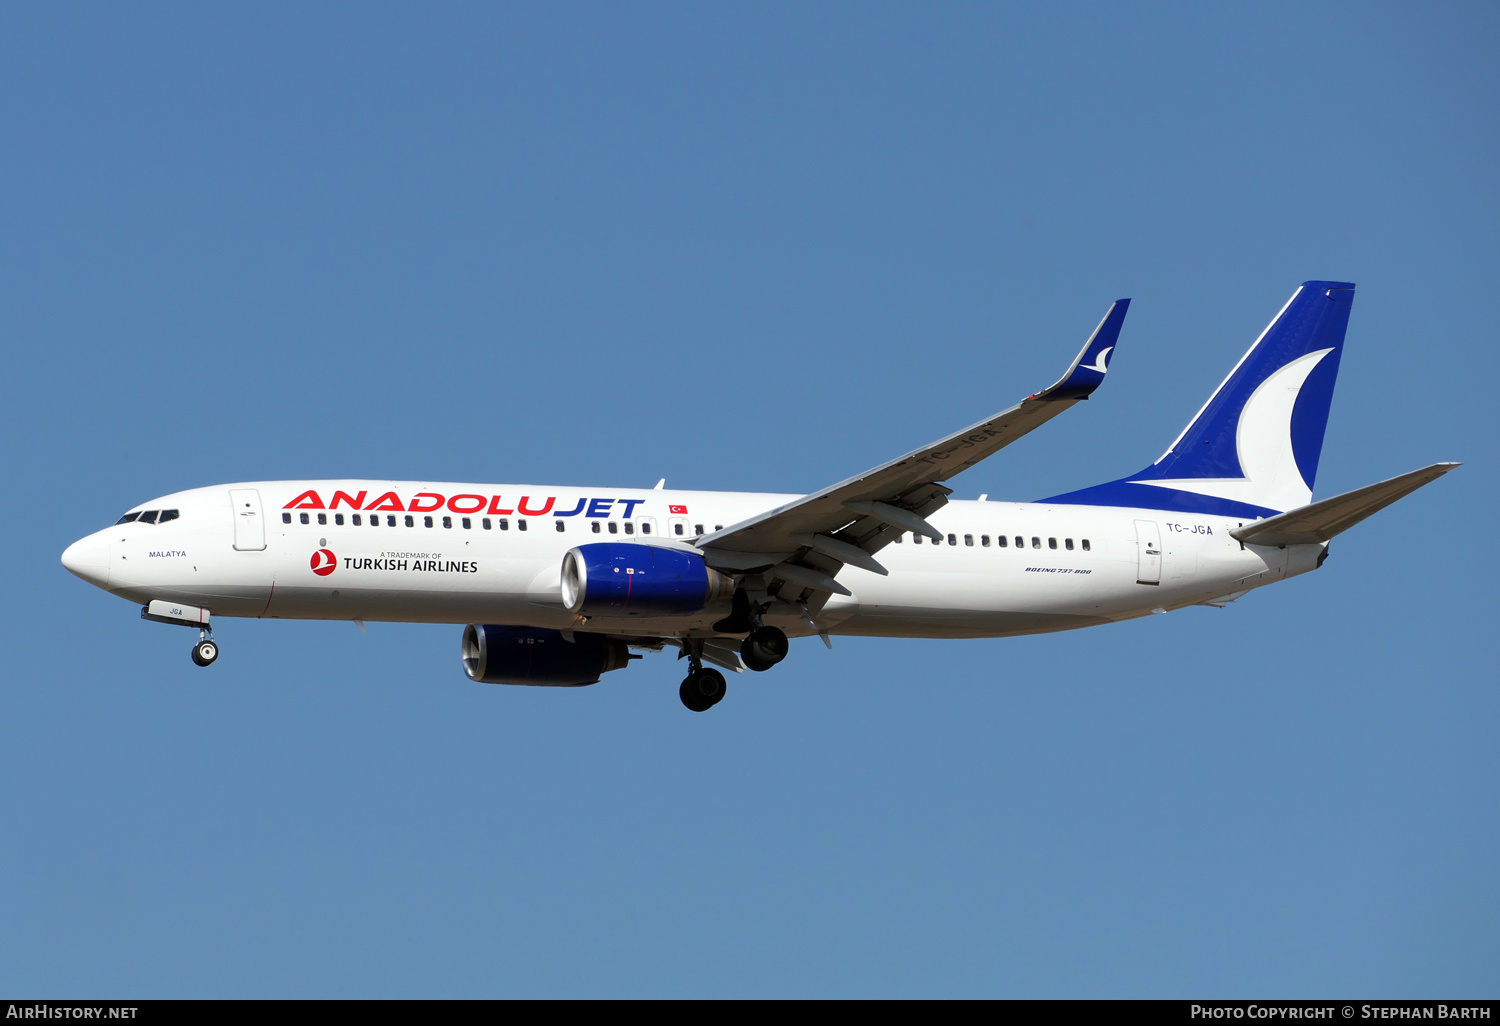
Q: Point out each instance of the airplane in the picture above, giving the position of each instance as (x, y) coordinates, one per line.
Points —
(558, 585)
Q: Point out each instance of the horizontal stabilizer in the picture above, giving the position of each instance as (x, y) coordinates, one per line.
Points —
(1320, 521)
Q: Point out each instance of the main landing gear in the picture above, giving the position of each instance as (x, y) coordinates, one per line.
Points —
(207, 650)
(702, 688)
(764, 646)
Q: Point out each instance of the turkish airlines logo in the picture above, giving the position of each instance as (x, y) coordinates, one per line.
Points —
(323, 562)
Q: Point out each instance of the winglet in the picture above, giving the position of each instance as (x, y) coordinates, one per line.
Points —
(1092, 364)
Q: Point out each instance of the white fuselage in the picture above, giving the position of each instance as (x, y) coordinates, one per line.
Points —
(421, 552)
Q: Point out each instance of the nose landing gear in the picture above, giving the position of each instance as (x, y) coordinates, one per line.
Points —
(162, 611)
(207, 650)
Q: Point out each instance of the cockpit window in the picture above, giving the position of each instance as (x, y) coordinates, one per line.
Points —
(168, 514)
(149, 517)
(127, 518)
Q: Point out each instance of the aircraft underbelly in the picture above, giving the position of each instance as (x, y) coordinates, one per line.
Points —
(898, 622)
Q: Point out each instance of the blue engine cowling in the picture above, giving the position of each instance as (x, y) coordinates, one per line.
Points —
(631, 579)
(535, 655)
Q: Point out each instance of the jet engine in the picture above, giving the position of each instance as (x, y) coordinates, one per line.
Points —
(535, 655)
(631, 579)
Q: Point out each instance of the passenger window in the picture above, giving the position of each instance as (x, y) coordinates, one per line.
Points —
(952, 539)
(302, 517)
(468, 524)
(426, 521)
(1020, 542)
(338, 518)
(614, 527)
(411, 521)
(1036, 542)
(698, 529)
(678, 529)
(561, 527)
(984, 540)
(630, 527)
(504, 524)
(969, 540)
(916, 539)
(1068, 544)
(390, 520)
(149, 517)
(1051, 543)
(645, 527)
(286, 518)
(323, 519)
(520, 525)
(447, 521)
(1001, 540)
(168, 514)
(898, 538)
(718, 527)
(485, 523)
(595, 526)
(356, 521)
(1085, 545)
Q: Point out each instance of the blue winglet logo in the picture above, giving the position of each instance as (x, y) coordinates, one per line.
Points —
(1099, 363)
(1092, 364)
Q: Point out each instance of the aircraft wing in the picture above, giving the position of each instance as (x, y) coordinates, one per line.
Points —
(806, 542)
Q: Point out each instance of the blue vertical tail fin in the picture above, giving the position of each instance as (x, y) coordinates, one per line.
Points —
(1253, 448)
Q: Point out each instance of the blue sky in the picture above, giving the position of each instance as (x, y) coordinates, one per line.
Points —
(756, 247)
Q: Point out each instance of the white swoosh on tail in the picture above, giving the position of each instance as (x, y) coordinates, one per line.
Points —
(1263, 440)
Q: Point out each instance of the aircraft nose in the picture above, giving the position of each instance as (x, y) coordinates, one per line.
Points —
(89, 559)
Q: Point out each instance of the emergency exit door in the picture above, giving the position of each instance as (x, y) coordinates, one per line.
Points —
(1148, 552)
(249, 525)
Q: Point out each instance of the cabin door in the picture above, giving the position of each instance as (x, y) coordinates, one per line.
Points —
(249, 524)
(1148, 552)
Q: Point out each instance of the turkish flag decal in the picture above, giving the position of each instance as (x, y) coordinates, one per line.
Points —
(679, 510)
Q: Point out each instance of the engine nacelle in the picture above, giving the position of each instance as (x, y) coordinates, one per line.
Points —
(631, 579)
(535, 655)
